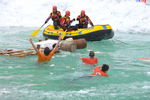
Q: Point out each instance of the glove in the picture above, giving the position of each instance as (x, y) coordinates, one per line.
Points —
(92, 25)
(45, 22)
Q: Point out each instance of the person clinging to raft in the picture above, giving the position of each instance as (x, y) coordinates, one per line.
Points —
(47, 52)
(101, 70)
(91, 60)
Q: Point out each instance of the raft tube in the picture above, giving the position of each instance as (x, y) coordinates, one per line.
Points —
(95, 33)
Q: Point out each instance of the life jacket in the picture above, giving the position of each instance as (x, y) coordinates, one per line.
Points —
(98, 72)
(43, 58)
(89, 61)
(56, 16)
(83, 19)
(65, 21)
(144, 59)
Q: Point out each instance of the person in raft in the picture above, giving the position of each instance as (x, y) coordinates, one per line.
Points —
(91, 60)
(47, 52)
(65, 21)
(101, 71)
(55, 16)
(84, 20)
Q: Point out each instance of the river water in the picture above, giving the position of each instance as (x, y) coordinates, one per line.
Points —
(65, 77)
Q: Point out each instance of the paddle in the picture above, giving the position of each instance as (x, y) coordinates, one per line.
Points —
(63, 34)
(36, 31)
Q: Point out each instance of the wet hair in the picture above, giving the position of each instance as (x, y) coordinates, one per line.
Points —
(54, 45)
(46, 38)
(46, 51)
(38, 47)
(105, 67)
(91, 54)
(40, 40)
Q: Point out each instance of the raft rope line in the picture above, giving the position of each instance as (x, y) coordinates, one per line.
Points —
(121, 41)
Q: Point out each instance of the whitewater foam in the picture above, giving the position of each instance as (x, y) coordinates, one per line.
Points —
(120, 14)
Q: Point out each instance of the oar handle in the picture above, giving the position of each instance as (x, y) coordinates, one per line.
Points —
(42, 25)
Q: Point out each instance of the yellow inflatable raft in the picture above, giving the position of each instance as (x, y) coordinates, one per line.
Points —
(95, 33)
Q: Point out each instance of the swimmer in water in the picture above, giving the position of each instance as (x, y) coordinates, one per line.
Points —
(47, 52)
(91, 60)
(101, 71)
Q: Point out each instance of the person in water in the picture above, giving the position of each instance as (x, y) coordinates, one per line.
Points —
(101, 71)
(84, 20)
(47, 52)
(55, 15)
(91, 60)
(65, 21)
(98, 71)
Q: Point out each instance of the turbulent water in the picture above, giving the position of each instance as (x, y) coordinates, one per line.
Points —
(65, 76)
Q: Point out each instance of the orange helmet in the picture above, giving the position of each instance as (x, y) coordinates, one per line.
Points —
(83, 12)
(54, 7)
(68, 12)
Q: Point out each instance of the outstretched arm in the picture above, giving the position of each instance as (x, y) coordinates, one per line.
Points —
(72, 20)
(33, 45)
(90, 22)
(55, 48)
(48, 18)
(78, 18)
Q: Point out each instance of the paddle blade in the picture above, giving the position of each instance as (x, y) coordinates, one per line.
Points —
(35, 32)
(63, 35)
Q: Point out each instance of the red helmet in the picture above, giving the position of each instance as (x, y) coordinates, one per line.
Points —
(54, 7)
(68, 12)
(83, 12)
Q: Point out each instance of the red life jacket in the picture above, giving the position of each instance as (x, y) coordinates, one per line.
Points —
(89, 61)
(144, 59)
(56, 16)
(65, 21)
(84, 20)
(98, 72)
